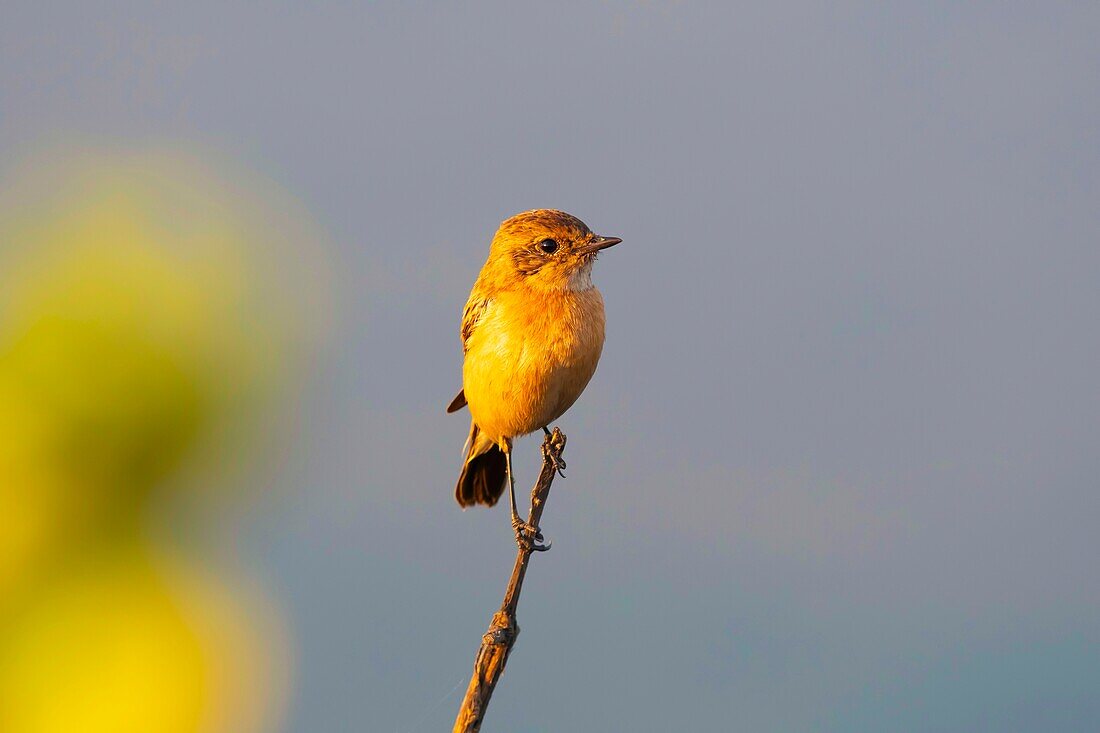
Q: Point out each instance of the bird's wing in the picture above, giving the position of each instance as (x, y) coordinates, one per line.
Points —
(475, 309)
(471, 316)
(458, 402)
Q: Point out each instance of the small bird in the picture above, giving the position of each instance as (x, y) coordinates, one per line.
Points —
(532, 333)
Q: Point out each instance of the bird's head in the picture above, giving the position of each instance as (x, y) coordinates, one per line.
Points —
(547, 249)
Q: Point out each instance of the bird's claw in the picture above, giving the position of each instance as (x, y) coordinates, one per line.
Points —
(528, 537)
(552, 455)
(558, 463)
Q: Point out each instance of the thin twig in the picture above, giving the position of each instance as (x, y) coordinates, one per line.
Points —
(497, 643)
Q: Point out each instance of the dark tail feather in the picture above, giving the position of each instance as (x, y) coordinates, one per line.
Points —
(483, 479)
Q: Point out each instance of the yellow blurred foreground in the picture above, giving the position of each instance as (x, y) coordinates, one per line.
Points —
(145, 330)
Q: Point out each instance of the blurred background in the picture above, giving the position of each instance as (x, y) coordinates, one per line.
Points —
(837, 470)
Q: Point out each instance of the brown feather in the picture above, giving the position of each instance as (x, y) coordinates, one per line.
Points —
(472, 313)
(458, 402)
(483, 479)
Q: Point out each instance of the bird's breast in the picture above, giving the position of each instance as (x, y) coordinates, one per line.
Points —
(530, 357)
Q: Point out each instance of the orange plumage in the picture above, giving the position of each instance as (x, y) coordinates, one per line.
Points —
(532, 332)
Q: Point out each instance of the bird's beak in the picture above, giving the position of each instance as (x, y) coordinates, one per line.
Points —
(600, 243)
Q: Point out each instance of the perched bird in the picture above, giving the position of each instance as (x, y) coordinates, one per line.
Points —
(532, 333)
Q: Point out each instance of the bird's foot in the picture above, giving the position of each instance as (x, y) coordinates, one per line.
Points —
(552, 448)
(529, 537)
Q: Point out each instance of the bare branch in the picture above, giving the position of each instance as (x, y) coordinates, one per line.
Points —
(497, 642)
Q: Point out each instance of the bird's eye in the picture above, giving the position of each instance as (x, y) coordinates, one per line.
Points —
(549, 246)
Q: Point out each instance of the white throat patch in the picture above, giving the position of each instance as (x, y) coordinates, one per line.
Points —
(581, 280)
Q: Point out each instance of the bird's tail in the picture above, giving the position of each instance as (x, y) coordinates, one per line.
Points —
(484, 474)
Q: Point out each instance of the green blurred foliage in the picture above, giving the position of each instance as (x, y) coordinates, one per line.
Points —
(139, 346)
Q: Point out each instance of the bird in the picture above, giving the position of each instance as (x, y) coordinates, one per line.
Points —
(532, 333)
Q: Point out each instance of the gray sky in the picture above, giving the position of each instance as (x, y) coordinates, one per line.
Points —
(838, 468)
